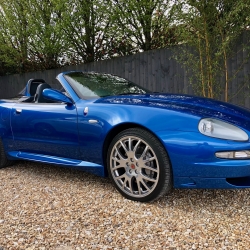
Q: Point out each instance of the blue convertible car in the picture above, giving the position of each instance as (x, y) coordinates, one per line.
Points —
(147, 143)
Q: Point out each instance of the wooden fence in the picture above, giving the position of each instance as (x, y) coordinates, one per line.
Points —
(156, 70)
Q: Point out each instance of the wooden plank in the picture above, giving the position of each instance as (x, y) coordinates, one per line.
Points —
(246, 69)
(164, 69)
(140, 66)
(240, 95)
(133, 68)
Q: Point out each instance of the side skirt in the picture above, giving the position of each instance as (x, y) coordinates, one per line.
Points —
(77, 164)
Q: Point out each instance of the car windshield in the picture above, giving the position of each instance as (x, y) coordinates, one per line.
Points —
(92, 85)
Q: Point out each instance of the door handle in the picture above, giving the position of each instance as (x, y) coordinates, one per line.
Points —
(93, 121)
(18, 111)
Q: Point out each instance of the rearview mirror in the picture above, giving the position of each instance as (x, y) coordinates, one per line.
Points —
(55, 95)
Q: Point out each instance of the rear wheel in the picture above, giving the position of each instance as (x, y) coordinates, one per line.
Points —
(4, 162)
(139, 166)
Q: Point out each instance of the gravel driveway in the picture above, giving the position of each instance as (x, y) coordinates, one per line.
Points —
(48, 207)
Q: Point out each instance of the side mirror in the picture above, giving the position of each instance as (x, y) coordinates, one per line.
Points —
(55, 95)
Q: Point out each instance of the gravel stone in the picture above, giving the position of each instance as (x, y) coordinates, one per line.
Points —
(48, 207)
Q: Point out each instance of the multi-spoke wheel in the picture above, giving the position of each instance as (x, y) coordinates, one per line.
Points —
(139, 166)
(4, 162)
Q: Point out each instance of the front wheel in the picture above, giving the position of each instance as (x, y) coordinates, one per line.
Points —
(139, 166)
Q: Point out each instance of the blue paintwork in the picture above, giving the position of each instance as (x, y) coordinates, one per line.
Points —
(56, 95)
(49, 129)
(77, 164)
(60, 133)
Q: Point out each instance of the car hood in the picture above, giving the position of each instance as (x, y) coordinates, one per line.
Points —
(193, 105)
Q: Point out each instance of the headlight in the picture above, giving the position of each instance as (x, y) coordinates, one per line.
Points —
(222, 130)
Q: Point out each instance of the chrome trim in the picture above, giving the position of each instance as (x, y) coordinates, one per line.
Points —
(93, 121)
(18, 111)
(86, 111)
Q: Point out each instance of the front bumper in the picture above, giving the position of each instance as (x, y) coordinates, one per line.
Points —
(194, 164)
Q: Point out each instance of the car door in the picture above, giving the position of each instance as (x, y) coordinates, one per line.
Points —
(45, 128)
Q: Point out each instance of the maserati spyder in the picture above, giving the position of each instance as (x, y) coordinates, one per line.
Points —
(147, 143)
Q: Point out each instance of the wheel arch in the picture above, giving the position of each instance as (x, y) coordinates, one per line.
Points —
(116, 130)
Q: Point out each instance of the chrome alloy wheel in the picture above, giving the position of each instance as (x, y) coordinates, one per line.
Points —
(134, 166)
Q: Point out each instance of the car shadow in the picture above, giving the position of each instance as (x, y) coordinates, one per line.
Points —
(50, 171)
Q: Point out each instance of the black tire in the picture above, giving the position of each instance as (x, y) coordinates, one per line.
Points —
(139, 166)
(4, 162)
